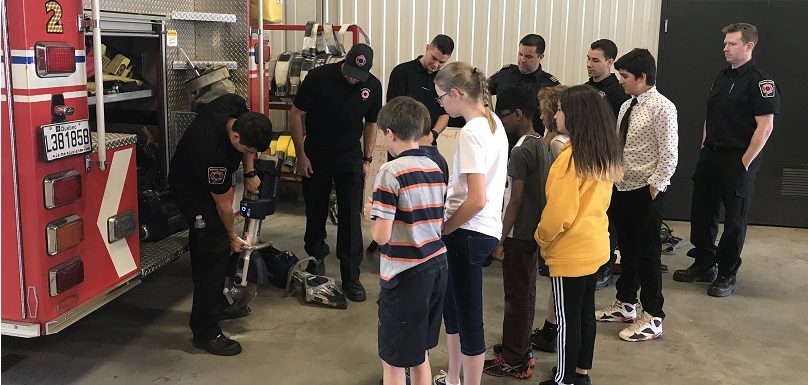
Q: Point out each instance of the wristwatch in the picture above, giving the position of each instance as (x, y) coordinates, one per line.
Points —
(434, 134)
(251, 174)
(368, 159)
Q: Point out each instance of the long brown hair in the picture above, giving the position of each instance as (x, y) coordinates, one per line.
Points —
(471, 81)
(596, 148)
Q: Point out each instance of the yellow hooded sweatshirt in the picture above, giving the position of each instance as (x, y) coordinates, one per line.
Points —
(574, 230)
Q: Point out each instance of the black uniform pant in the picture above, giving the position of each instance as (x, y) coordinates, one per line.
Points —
(637, 219)
(574, 302)
(210, 252)
(349, 183)
(721, 178)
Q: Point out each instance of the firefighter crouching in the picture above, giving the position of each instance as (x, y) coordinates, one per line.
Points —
(223, 134)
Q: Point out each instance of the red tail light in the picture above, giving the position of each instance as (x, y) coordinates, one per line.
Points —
(65, 276)
(62, 188)
(54, 59)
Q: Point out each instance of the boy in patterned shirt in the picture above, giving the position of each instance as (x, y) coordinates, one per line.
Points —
(407, 210)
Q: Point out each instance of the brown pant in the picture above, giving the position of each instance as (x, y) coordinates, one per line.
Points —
(519, 271)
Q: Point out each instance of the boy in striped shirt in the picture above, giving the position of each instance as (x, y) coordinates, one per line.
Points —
(407, 209)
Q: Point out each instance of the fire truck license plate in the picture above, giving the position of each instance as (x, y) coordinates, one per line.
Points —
(65, 139)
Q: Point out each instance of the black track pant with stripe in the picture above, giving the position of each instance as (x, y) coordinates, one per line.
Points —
(574, 301)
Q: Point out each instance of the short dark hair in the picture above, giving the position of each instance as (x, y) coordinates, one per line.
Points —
(533, 40)
(406, 117)
(607, 46)
(518, 97)
(639, 61)
(254, 129)
(749, 32)
(444, 44)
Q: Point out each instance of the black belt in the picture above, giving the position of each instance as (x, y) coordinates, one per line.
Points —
(728, 150)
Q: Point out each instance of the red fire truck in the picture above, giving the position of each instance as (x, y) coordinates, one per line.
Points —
(84, 201)
(71, 164)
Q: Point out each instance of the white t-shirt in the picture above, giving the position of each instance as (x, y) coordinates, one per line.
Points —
(479, 151)
(556, 144)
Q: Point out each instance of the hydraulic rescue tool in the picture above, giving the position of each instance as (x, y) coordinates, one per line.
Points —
(261, 263)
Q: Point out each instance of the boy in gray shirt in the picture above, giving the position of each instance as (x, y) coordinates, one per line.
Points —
(524, 200)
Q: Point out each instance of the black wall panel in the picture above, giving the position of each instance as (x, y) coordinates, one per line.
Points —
(690, 56)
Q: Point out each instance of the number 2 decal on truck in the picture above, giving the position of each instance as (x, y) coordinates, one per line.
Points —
(55, 21)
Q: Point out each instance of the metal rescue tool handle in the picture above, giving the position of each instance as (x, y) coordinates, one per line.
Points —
(255, 208)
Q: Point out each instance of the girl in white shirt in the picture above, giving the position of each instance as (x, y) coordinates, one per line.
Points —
(473, 215)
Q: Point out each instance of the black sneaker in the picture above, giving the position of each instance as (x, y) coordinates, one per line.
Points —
(220, 346)
(579, 379)
(604, 277)
(232, 313)
(354, 291)
(582, 380)
(521, 371)
(697, 272)
(537, 342)
(723, 286)
(499, 358)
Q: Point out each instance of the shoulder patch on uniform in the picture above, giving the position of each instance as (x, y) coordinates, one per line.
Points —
(767, 88)
(553, 78)
(216, 175)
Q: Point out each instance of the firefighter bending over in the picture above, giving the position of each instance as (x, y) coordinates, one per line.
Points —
(222, 135)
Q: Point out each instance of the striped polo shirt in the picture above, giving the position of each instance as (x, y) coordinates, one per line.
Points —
(409, 190)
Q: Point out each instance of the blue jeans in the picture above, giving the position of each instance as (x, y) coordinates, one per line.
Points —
(466, 251)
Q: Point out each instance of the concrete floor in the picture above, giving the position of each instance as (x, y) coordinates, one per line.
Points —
(756, 336)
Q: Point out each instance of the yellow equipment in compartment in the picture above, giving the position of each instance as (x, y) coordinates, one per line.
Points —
(285, 145)
(273, 11)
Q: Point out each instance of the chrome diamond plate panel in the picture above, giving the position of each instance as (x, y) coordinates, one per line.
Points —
(154, 255)
(114, 140)
(178, 122)
(151, 7)
(204, 16)
(204, 41)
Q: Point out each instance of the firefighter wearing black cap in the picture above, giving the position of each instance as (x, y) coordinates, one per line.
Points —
(222, 134)
(340, 103)
(740, 117)
(527, 71)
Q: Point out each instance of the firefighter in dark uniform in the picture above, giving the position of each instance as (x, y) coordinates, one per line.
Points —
(416, 79)
(599, 61)
(740, 117)
(222, 134)
(341, 102)
(527, 71)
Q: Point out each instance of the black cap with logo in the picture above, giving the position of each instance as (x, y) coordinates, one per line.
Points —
(358, 62)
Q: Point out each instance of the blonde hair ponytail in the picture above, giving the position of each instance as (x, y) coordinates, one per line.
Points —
(471, 81)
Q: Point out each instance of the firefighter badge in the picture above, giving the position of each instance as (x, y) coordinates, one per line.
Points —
(216, 175)
(767, 88)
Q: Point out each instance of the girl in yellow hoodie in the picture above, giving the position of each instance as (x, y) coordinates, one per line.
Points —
(573, 232)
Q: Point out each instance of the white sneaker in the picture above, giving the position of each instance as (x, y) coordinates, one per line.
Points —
(647, 327)
(440, 379)
(619, 312)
